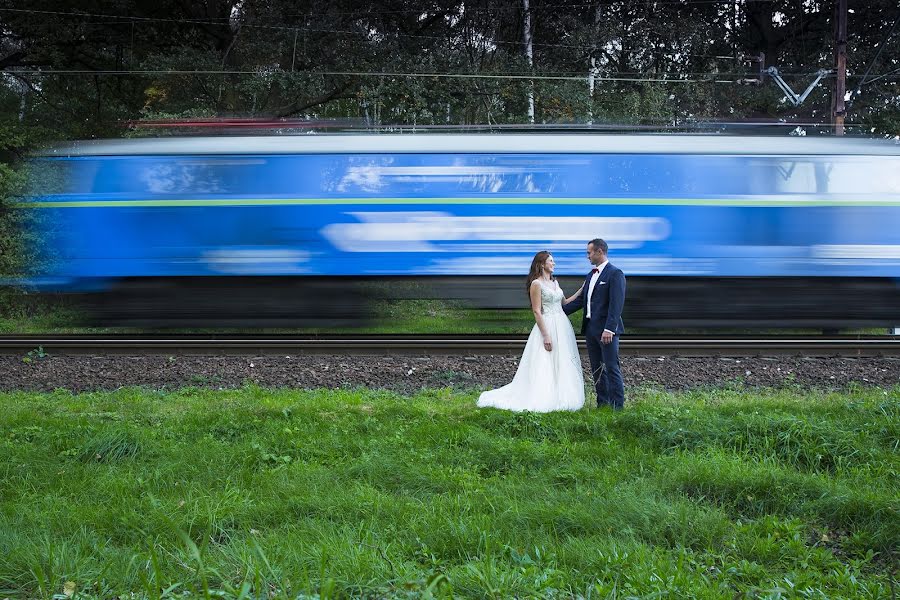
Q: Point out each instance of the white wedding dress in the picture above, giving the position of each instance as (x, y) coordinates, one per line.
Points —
(545, 381)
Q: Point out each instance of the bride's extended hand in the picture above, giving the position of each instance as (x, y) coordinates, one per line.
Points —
(548, 345)
(572, 297)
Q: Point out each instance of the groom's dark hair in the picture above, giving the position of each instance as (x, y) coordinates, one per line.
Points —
(597, 243)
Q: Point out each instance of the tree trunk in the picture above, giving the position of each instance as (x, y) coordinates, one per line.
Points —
(594, 69)
(529, 57)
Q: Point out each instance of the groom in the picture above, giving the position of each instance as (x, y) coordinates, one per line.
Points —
(602, 298)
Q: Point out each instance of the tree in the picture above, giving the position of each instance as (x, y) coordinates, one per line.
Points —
(84, 68)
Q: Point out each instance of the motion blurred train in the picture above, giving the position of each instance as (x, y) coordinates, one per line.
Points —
(710, 230)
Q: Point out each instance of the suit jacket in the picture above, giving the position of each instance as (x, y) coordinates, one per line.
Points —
(606, 302)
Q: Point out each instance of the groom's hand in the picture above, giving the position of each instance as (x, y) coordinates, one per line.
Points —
(607, 336)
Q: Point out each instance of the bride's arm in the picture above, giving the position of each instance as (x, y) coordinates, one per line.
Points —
(574, 296)
(535, 294)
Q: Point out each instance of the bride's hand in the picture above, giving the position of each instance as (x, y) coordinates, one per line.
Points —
(548, 345)
(572, 297)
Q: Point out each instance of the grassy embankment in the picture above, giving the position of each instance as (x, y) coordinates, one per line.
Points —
(252, 492)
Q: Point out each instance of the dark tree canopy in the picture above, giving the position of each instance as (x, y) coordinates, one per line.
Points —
(80, 69)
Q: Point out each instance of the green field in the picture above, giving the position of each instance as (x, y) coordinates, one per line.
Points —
(287, 494)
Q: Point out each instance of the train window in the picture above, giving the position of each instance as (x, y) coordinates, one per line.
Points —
(191, 175)
(672, 175)
(853, 175)
(803, 176)
(864, 174)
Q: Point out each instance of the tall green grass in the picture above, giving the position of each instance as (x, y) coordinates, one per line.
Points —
(282, 493)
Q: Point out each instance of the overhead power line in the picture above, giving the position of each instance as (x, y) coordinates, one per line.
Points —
(686, 77)
(226, 21)
(543, 7)
(655, 78)
(882, 76)
(884, 42)
(422, 11)
(674, 79)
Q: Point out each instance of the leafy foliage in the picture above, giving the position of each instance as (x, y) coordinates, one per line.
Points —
(348, 60)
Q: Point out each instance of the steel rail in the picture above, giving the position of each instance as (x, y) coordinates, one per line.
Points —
(216, 344)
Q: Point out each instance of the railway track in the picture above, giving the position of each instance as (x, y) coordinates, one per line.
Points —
(217, 344)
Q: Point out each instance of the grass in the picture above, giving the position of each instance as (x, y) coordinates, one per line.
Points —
(300, 494)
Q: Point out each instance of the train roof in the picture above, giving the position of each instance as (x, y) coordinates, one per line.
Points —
(479, 144)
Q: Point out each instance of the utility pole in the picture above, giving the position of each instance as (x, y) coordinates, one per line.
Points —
(840, 66)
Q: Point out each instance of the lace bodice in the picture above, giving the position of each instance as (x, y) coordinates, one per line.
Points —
(551, 298)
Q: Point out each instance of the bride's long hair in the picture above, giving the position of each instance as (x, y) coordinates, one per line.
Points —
(536, 270)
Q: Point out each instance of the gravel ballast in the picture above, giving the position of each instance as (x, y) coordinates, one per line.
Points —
(407, 374)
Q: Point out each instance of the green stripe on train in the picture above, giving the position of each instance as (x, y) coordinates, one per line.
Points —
(450, 201)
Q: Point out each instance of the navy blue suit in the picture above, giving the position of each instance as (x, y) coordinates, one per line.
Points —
(607, 301)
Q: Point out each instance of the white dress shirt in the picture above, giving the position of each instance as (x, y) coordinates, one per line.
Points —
(594, 278)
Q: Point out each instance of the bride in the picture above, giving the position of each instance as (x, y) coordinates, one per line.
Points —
(549, 376)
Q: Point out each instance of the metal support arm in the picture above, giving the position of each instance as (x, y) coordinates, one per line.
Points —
(796, 99)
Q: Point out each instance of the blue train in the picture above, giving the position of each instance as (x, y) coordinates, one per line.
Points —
(710, 230)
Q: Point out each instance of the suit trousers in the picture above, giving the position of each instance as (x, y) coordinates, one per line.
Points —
(605, 371)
